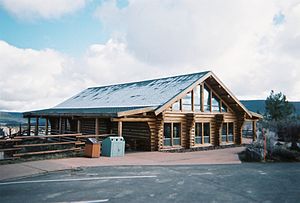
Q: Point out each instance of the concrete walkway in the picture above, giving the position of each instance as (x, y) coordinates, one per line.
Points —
(220, 156)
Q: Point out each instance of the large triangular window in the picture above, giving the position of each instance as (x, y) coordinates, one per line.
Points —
(201, 99)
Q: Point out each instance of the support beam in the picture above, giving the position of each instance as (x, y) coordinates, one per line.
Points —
(133, 119)
(65, 120)
(210, 95)
(193, 100)
(29, 127)
(78, 126)
(60, 125)
(120, 128)
(36, 131)
(254, 130)
(202, 98)
(97, 126)
(47, 126)
(20, 130)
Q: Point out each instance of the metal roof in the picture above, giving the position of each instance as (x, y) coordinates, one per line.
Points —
(137, 94)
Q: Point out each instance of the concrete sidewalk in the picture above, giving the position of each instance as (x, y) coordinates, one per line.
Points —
(220, 156)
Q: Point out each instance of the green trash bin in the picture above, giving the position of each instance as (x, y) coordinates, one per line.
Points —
(113, 147)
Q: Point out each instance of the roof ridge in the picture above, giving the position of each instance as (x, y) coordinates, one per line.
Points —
(149, 80)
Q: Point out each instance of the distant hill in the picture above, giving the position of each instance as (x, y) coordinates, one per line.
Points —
(259, 106)
(11, 118)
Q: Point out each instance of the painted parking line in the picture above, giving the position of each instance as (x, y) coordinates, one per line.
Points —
(76, 179)
(87, 201)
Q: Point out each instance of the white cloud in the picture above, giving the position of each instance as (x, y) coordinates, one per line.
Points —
(31, 9)
(236, 39)
(32, 79)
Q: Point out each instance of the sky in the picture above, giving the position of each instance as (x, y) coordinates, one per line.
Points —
(51, 50)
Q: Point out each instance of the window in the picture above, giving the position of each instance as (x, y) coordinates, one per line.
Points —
(227, 132)
(224, 107)
(198, 133)
(172, 134)
(197, 98)
(206, 132)
(230, 132)
(167, 134)
(176, 134)
(224, 132)
(202, 133)
(176, 106)
(187, 102)
(215, 103)
(206, 95)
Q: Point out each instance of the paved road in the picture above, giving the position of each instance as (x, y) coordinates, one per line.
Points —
(194, 183)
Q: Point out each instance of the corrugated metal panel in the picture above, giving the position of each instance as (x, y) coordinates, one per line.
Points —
(138, 94)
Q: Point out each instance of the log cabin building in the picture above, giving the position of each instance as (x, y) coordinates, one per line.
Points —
(179, 112)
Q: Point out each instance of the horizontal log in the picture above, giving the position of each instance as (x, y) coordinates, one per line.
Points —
(10, 149)
(47, 144)
(10, 140)
(47, 152)
(102, 135)
(47, 136)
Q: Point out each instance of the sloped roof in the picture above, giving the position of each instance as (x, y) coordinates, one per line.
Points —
(130, 98)
(148, 93)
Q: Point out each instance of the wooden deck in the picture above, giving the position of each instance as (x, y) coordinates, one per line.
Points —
(20, 146)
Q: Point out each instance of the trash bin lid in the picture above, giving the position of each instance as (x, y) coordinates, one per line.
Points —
(91, 140)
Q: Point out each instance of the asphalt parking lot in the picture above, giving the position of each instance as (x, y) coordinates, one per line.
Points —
(253, 182)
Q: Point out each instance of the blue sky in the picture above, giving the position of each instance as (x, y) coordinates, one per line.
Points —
(71, 34)
(57, 48)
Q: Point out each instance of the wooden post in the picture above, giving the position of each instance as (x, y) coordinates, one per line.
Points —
(36, 131)
(20, 129)
(78, 126)
(202, 98)
(120, 128)
(96, 126)
(60, 125)
(193, 100)
(29, 127)
(254, 130)
(210, 95)
(47, 126)
(220, 106)
(180, 104)
(64, 125)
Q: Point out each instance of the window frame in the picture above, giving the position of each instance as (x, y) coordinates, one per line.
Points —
(227, 132)
(202, 89)
(172, 134)
(202, 133)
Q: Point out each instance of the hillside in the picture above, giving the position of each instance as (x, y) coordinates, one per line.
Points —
(259, 106)
(11, 118)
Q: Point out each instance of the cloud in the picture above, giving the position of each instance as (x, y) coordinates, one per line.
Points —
(33, 79)
(236, 39)
(32, 9)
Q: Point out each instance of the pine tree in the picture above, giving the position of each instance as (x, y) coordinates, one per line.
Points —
(277, 107)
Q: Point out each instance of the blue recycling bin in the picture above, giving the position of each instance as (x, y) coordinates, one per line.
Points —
(113, 147)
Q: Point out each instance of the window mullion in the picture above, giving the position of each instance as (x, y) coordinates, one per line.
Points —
(171, 134)
(202, 132)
